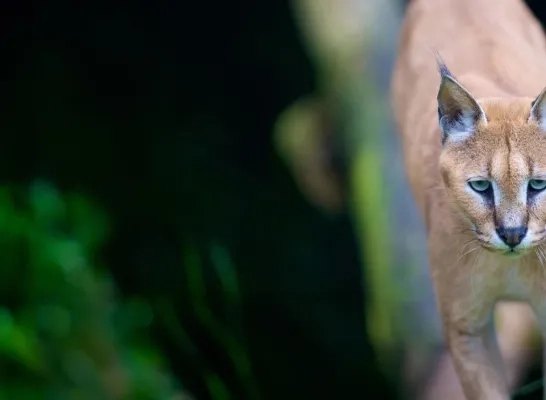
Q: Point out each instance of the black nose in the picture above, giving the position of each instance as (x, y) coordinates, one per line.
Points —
(512, 236)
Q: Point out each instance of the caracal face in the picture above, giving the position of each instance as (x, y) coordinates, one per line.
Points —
(493, 165)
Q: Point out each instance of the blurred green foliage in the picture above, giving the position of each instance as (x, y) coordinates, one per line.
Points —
(64, 331)
(227, 332)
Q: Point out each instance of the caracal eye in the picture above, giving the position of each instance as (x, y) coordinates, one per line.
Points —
(481, 185)
(537, 184)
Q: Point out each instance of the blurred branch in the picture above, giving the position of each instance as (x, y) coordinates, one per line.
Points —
(304, 139)
(337, 35)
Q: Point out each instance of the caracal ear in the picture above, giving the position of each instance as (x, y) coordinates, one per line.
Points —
(538, 110)
(458, 112)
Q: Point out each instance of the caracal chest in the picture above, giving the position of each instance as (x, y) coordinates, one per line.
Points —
(493, 278)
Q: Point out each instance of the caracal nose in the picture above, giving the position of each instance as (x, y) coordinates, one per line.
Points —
(512, 236)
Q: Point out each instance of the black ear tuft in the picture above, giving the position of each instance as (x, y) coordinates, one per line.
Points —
(442, 67)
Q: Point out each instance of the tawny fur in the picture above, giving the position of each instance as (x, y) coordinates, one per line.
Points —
(497, 51)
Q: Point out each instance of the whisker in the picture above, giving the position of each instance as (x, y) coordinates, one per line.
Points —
(467, 244)
(472, 270)
(539, 258)
(463, 230)
(541, 255)
(468, 252)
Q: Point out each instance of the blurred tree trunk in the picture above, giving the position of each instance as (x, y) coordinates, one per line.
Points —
(341, 146)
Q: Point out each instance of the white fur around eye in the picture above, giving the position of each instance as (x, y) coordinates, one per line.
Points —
(497, 193)
(476, 195)
(522, 194)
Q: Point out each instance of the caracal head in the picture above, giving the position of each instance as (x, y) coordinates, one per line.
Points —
(493, 165)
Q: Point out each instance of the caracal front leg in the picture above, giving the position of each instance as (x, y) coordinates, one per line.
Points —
(477, 358)
(539, 308)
